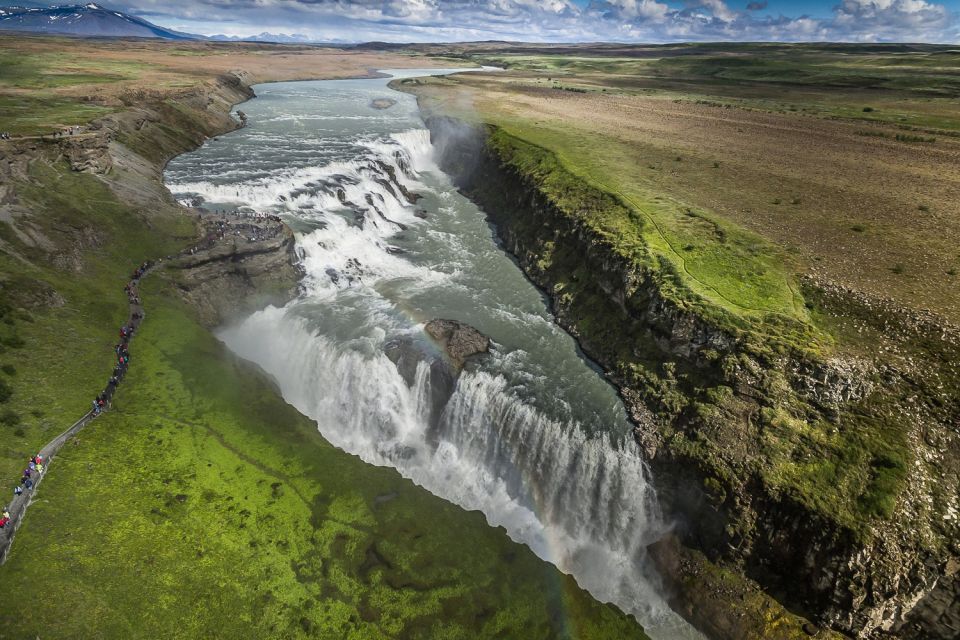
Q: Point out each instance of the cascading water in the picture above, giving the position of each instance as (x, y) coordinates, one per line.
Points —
(531, 435)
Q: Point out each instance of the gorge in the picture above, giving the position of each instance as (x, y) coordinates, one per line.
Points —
(547, 352)
(530, 434)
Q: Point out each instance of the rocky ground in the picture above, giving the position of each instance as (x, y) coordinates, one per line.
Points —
(242, 264)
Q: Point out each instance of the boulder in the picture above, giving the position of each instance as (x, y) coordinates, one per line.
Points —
(458, 340)
(446, 353)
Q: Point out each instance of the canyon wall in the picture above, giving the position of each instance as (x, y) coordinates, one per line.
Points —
(707, 391)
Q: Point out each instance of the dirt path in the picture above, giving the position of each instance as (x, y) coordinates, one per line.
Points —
(18, 506)
(219, 227)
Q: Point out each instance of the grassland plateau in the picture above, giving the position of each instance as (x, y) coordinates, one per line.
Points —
(759, 243)
(201, 505)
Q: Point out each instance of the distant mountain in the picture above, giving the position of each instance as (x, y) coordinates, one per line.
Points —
(89, 20)
(294, 38)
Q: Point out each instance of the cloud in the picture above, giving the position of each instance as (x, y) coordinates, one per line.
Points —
(628, 10)
(554, 20)
(893, 19)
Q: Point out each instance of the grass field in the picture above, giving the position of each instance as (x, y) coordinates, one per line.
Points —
(857, 196)
(908, 86)
(204, 506)
(65, 312)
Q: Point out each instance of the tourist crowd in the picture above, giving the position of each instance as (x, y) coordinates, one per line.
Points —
(33, 471)
(102, 401)
(35, 467)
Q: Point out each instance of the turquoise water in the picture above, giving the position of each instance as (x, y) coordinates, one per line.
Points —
(532, 435)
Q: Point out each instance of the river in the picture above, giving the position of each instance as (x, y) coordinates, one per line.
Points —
(532, 435)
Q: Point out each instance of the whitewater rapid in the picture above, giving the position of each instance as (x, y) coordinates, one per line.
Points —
(531, 436)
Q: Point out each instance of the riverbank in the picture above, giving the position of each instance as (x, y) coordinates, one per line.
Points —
(712, 393)
(202, 504)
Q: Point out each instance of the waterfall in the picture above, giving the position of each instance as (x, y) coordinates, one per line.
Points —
(530, 435)
(578, 501)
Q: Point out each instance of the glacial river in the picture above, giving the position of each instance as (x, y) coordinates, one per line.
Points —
(532, 435)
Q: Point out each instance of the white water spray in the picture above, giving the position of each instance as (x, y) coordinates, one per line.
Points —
(560, 474)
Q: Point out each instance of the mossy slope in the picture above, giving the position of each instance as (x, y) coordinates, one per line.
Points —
(204, 506)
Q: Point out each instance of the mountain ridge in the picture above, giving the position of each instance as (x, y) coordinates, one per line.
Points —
(90, 20)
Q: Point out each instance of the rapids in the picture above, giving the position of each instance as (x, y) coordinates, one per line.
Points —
(532, 436)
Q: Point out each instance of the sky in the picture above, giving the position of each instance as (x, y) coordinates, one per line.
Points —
(652, 21)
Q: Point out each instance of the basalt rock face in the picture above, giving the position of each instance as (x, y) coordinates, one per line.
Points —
(458, 340)
(883, 575)
(236, 276)
(451, 344)
(90, 152)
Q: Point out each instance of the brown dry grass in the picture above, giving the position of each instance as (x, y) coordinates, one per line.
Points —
(162, 63)
(48, 83)
(873, 213)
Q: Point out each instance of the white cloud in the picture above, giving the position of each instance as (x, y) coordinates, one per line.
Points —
(629, 10)
(554, 20)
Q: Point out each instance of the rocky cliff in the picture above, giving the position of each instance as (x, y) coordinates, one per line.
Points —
(807, 468)
(239, 273)
(126, 152)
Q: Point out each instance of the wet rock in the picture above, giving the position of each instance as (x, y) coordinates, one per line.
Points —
(380, 213)
(407, 354)
(458, 340)
(420, 213)
(410, 196)
(382, 103)
(452, 343)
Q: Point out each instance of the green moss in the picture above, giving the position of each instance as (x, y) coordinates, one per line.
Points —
(850, 475)
(727, 276)
(203, 505)
(744, 610)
